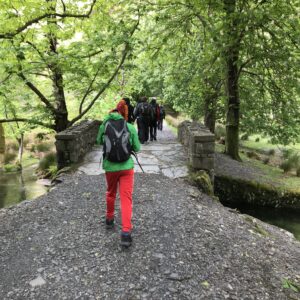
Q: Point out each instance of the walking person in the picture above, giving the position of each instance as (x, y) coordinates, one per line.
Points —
(130, 111)
(143, 115)
(118, 138)
(162, 115)
(154, 119)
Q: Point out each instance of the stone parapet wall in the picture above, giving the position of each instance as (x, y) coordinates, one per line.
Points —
(200, 144)
(73, 143)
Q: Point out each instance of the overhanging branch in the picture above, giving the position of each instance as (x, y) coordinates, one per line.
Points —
(10, 35)
(27, 121)
(106, 85)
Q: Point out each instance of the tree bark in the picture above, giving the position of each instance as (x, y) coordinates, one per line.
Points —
(21, 148)
(232, 88)
(210, 112)
(2, 139)
(61, 114)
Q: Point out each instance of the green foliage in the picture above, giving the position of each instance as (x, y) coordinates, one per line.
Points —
(43, 147)
(47, 161)
(289, 284)
(245, 137)
(11, 168)
(220, 131)
(271, 152)
(9, 157)
(292, 160)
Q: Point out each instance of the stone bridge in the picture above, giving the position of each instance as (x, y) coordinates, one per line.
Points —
(186, 245)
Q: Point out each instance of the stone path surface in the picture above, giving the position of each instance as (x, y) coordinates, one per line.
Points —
(164, 156)
(185, 244)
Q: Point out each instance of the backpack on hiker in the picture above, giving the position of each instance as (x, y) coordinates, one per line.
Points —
(162, 113)
(146, 110)
(117, 147)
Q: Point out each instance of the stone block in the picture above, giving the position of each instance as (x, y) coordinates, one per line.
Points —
(204, 163)
(201, 148)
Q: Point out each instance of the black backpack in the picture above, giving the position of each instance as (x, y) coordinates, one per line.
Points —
(116, 146)
(146, 110)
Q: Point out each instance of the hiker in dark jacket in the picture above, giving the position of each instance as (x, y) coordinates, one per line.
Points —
(162, 115)
(119, 174)
(143, 115)
(130, 111)
(154, 119)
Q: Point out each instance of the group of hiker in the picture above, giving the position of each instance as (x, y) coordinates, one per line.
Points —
(149, 116)
(120, 139)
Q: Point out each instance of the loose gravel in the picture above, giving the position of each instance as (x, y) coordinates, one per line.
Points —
(186, 246)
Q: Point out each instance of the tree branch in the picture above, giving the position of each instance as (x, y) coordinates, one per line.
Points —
(103, 88)
(27, 121)
(38, 93)
(106, 85)
(10, 35)
(88, 90)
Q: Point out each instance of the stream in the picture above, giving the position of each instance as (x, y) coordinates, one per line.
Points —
(287, 219)
(16, 187)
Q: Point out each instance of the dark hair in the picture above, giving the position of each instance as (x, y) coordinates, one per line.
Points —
(127, 100)
(144, 99)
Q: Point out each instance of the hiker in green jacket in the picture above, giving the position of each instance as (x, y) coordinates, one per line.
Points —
(119, 169)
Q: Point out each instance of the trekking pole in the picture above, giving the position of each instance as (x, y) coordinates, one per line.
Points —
(134, 154)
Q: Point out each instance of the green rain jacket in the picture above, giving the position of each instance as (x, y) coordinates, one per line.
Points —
(109, 166)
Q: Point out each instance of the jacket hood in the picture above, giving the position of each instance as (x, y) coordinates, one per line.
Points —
(112, 116)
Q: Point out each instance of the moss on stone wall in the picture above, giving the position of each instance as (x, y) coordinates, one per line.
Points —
(232, 190)
(203, 181)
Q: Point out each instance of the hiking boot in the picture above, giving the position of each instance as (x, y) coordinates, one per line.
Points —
(109, 223)
(126, 239)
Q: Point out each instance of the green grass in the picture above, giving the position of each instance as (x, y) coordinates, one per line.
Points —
(271, 174)
(28, 160)
(264, 144)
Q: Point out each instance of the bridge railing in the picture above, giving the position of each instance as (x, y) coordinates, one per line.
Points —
(200, 144)
(73, 143)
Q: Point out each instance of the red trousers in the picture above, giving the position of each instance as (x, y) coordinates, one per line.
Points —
(125, 181)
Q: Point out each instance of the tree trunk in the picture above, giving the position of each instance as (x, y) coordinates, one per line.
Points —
(2, 144)
(2, 139)
(61, 116)
(210, 112)
(21, 147)
(233, 102)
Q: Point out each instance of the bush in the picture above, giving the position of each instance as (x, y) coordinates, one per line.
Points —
(220, 131)
(11, 168)
(253, 154)
(12, 146)
(298, 172)
(271, 152)
(47, 161)
(266, 160)
(41, 136)
(257, 140)
(43, 147)
(9, 157)
(286, 166)
(245, 137)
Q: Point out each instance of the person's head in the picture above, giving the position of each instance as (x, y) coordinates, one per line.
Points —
(127, 100)
(144, 99)
(153, 101)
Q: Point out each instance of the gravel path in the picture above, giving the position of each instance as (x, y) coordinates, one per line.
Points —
(186, 246)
